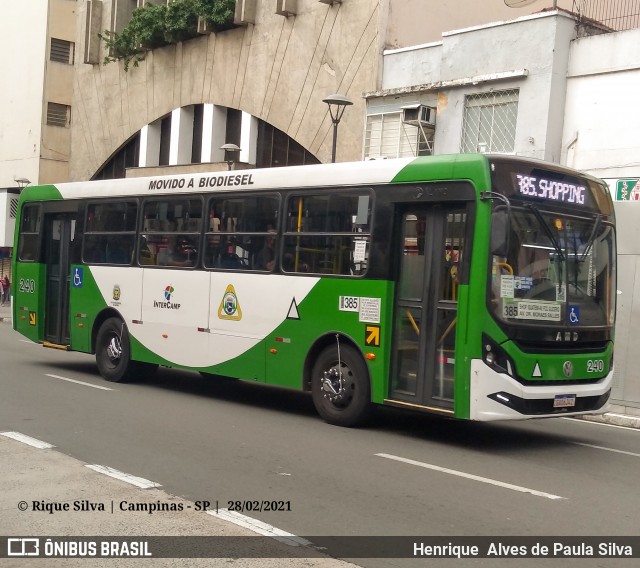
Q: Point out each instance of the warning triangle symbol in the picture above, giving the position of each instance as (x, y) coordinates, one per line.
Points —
(536, 371)
(293, 311)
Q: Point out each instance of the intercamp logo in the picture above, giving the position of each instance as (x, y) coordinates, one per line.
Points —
(167, 304)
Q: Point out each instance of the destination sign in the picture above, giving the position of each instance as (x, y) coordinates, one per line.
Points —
(550, 189)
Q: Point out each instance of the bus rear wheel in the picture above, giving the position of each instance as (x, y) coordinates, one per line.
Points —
(113, 354)
(340, 386)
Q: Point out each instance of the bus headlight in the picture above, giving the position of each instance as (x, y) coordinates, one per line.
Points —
(495, 357)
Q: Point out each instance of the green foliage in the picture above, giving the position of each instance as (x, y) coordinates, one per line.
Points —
(217, 13)
(156, 25)
(181, 21)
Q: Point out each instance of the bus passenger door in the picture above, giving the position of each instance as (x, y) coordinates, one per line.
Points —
(59, 233)
(431, 250)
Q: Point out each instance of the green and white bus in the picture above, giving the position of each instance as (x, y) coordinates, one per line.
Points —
(477, 287)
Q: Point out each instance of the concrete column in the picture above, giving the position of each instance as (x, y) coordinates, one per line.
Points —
(248, 138)
(181, 136)
(149, 145)
(214, 126)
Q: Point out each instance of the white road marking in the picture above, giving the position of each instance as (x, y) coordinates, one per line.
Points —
(78, 382)
(28, 440)
(606, 449)
(29, 342)
(127, 477)
(259, 527)
(473, 477)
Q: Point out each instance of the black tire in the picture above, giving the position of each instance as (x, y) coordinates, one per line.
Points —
(113, 354)
(347, 406)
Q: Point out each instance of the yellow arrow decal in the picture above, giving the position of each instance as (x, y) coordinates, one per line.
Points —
(372, 335)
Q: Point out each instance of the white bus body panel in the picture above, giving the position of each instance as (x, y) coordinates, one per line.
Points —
(485, 381)
(179, 314)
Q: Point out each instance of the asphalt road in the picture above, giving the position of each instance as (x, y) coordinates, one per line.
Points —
(407, 474)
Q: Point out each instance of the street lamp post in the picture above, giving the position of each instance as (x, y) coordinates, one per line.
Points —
(230, 153)
(22, 182)
(337, 104)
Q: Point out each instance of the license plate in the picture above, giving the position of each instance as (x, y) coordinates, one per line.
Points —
(564, 400)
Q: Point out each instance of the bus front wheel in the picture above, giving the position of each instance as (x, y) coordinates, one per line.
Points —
(113, 354)
(340, 386)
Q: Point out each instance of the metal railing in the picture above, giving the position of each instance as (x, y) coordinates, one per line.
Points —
(616, 15)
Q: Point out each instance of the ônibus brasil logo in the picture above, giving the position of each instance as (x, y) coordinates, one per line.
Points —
(168, 304)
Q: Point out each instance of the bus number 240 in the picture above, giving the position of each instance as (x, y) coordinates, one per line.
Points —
(27, 285)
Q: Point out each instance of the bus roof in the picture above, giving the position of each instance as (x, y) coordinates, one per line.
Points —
(400, 170)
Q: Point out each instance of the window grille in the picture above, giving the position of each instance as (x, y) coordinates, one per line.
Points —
(58, 115)
(489, 122)
(61, 51)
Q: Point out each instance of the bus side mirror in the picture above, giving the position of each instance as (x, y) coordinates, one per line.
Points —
(500, 231)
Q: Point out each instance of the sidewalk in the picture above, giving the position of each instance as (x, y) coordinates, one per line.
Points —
(5, 313)
(33, 478)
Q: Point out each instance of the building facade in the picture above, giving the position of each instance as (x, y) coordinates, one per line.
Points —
(35, 124)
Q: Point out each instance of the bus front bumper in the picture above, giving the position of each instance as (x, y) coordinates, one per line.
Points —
(497, 396)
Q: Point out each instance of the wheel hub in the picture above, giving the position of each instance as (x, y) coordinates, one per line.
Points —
(114, 349)
(333, 385)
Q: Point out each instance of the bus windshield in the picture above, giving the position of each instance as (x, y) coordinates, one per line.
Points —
(558, 270)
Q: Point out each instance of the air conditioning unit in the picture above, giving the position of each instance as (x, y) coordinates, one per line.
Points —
(419, 115)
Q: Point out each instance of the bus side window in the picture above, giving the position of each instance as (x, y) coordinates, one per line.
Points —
(29, 233)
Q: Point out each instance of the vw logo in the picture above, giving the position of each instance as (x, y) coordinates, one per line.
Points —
(567, 368)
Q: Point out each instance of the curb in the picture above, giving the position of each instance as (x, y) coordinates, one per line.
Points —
(615, 420)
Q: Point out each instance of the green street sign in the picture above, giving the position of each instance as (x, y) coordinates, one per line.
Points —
(628, 190)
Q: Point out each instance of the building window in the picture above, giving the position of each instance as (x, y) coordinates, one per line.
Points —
(196, 141)
(128, 156)
(165, 140)
(58, 115)
(62, 51)
(386, 136)
(489, 122)
(275, 149)
(234, 127)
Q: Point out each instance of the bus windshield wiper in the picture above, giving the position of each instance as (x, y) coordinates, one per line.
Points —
(592, 237)
(547, 230)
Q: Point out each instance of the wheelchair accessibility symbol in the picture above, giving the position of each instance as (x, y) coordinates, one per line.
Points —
(77, 277)
(574, 315)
